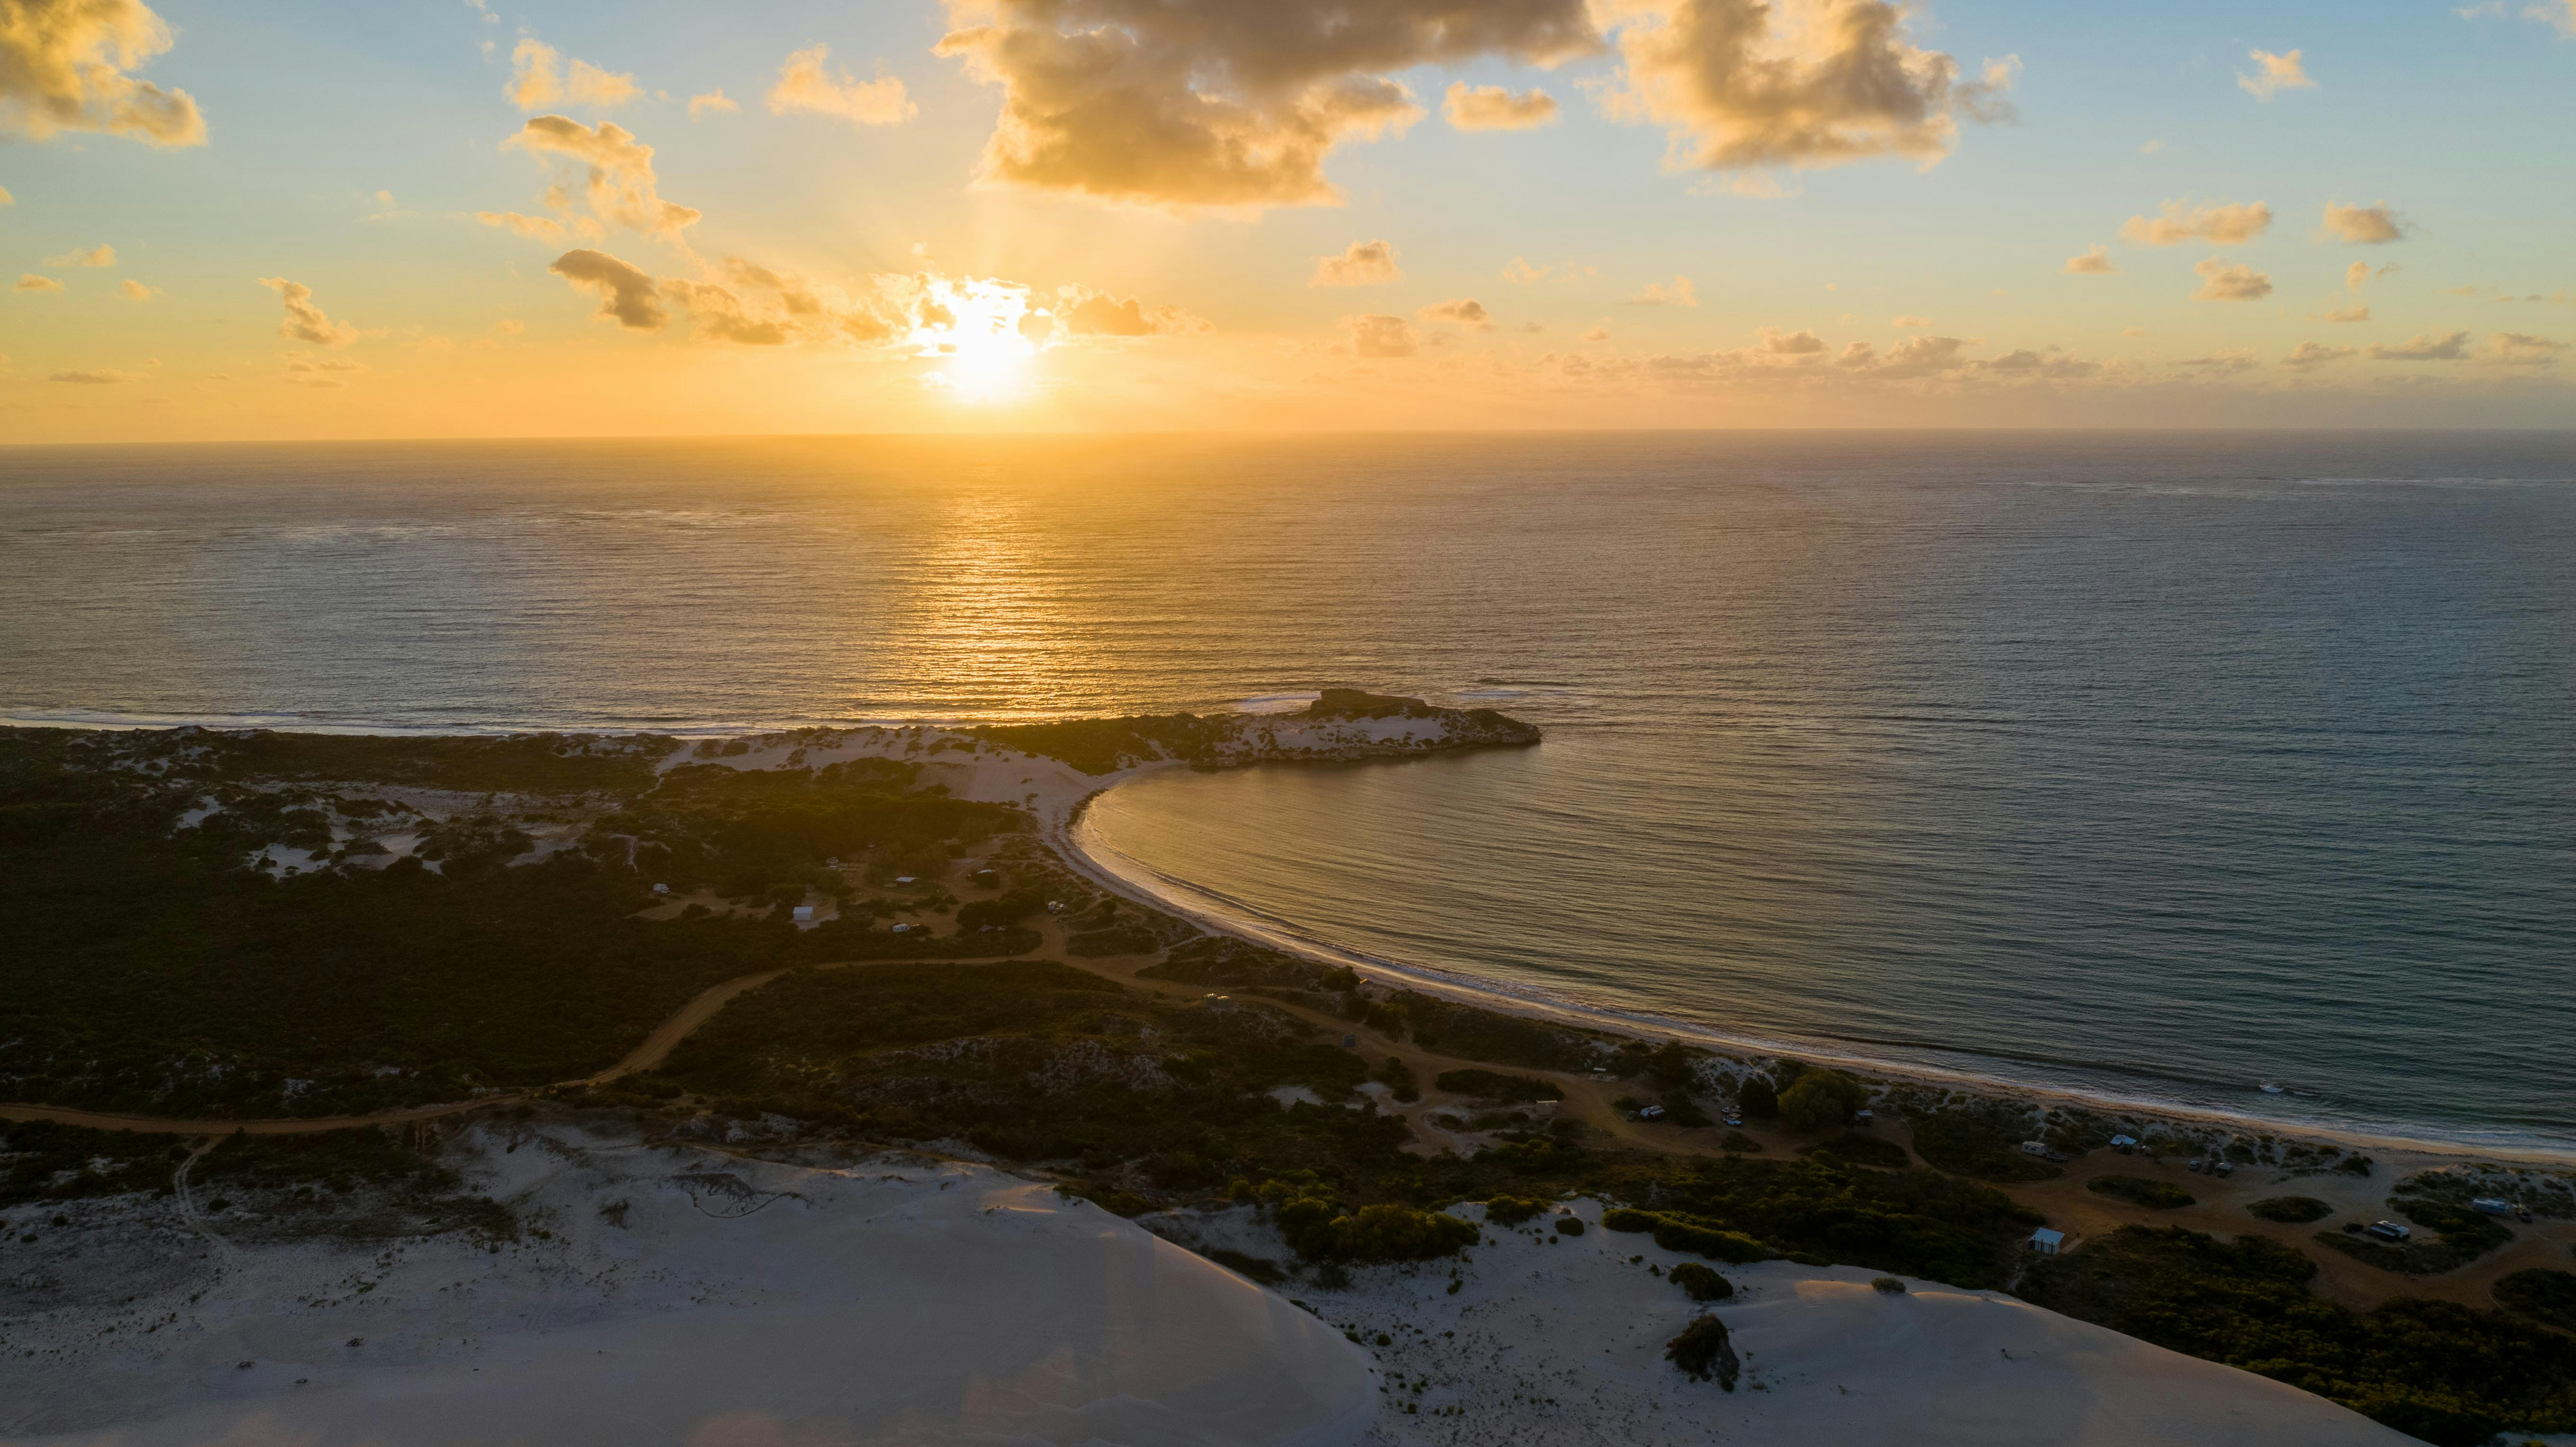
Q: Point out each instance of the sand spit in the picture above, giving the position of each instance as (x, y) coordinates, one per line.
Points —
(675, 1296)
(1560, 1341)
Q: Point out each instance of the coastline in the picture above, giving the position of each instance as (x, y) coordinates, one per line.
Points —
(1066, 833)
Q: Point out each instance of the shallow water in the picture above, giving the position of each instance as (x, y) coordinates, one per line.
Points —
(2161, 766)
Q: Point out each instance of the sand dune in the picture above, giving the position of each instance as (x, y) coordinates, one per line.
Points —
(737, 1305)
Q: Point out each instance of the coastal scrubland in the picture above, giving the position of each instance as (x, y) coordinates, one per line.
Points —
(251, 926)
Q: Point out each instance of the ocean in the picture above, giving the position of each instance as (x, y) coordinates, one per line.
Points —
(2163, 767)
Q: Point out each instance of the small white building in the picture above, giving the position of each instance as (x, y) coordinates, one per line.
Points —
(802, 914)
(661, 889)
(2046, 1242)
(2034, 1148)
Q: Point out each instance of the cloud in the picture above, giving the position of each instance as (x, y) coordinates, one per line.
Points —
(1791, 344)
(715, 100)
(2274, 74)
(1466, 311)
(2520, 349)
(2228, 225)
(1806, 83)
(1088, 313)
(1597, 334)
(2217, 364)
(63, 67)
(1493, 108)
(101, 377)
(95, 256)
(2348, 314)
(2308, 355)
(1680, 293)
(1373, 336)
(1221, 103)
(304, 321)
(2222, 282)
(625, 293)
(621, 185)
(1521, 273)
(2096, 261)
(2372, 225)
(2561, 13)
(1362, 263)
(5, 198)
(29, 281)
(537, 228)
(535, 83)
(1914, 357)
(2424, 347)
(2151, 148)
(133, 290)
(805, 85)
(2360, 271)
(1909, 321)
(717, 312)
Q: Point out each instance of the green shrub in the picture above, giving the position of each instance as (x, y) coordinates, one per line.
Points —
(1701, 1283)
(1821, 1098)
(1887, 1286)
(1702, 1351)
(2434, 1370)
(2142, 1191)
(2290, 1210)
(1625, 1218)
(2541, 1294)
(1569, 1225)
(1981, 1138)
(1495, 1086)
(1399, 1080)
(1758, 1098)
(1512, 1210)
(1680, 1234)
(1738, 1143)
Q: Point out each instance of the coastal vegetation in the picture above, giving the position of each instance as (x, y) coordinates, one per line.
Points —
(2542, 1294)
(2460, 1236)
(1703, 1352)
(1821, 1098)
(2141, 1191)
(2449, 1374)
(1700, 1283)
(2290, 1210)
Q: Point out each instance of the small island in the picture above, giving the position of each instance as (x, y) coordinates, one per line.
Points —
(336, 1064)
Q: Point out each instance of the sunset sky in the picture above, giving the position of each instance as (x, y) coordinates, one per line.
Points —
(444, 218)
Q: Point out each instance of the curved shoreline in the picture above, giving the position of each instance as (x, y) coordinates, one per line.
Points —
(1203, 908)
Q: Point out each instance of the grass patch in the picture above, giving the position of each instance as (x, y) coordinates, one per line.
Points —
(2142, 1191)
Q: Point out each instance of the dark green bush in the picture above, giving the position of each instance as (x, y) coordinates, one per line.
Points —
(1399, 1080)
(1866, 1150)
(2142, 1191)
(1758, 1098)
(1700, 1283)
(1512, 1210)
(1493, 1085)
(2541, 1294)
(1569, 1225)
(1820, 1099)
(1702, 1351)
(2290, 1210)
(2445, 1373)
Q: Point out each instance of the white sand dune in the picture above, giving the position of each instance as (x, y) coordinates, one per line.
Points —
(738, 1305)
(1563, 1343)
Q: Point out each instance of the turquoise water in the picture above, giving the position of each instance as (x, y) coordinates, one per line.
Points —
(2163, 767)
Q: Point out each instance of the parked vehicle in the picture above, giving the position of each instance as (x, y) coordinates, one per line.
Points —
(2388, 1231)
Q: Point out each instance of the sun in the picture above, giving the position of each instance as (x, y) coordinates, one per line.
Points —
(983, 334)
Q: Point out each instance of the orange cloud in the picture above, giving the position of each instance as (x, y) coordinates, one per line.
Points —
(2274, 74)
(1464, 311)
(536, 84)
(1362, 263)
(1223, 103)
(620, 183)
(2373, 225)
(1376, 336)
(1743, 83)
(1681, 293)
(2227, 225)
(805, 85)
(2220, 281)
(1493, 108)
(63, 67)
(305, 322)
(2096, 261)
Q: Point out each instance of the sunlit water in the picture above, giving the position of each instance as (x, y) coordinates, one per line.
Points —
(2162, 767)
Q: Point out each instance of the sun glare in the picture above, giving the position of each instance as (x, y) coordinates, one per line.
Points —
(984, 335)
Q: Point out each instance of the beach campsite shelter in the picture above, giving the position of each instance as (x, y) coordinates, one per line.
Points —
(803, 914)
(2046, 1242)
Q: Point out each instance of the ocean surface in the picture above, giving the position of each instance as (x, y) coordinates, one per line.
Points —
(2163, 767)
